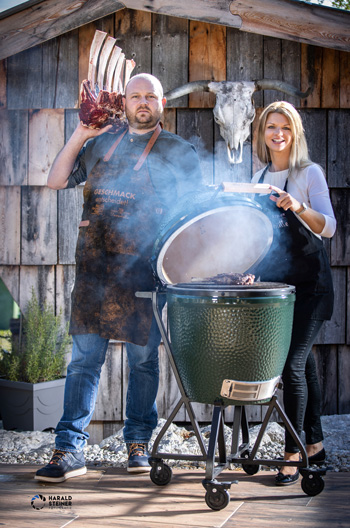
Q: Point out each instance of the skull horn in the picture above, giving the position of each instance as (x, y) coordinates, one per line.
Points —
(194, 86)
(268, 84)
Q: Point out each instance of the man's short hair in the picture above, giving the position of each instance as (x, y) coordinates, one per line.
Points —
(151, 78)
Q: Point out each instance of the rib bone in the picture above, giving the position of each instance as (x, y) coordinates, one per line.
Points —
(95, 49)
(101, 97)
(104, 56)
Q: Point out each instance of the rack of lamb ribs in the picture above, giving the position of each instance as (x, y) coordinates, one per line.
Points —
(101, 93)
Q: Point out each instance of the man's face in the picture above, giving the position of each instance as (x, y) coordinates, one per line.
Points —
(143, 105)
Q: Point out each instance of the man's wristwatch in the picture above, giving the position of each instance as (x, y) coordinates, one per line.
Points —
(302, 210)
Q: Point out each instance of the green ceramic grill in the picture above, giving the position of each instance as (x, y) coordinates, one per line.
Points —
(230, 344)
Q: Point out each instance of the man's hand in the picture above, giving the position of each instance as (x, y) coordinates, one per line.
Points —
(64, 162)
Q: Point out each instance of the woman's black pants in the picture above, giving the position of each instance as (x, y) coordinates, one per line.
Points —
(301, 391)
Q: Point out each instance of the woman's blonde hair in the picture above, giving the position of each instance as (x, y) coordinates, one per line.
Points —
(299, 155)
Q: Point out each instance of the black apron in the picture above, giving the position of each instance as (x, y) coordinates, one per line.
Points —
(297, 257)
(121, 218)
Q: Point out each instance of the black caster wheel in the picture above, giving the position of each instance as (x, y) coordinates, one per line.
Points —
(312, 484)
(217, 498)
(161, 474)
(250, 469)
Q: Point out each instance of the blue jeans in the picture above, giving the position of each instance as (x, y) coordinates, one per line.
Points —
(83, 375)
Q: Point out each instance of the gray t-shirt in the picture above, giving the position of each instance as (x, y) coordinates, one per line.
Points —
(172, 163)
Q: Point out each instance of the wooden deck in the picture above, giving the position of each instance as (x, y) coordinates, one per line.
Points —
(110, 497)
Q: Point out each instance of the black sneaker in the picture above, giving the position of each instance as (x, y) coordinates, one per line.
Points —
(62, 466)
(138, 458)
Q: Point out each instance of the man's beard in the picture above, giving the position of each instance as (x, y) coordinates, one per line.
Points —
(146, 122)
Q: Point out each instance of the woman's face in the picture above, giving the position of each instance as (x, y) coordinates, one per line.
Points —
(278, 133)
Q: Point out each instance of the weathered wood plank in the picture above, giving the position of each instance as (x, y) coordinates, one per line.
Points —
(317, 143)
(343, 379)
(46, 139)
(247, 65)
(39, 226)
(10, 277)
(291, 68)
(65, 276)
(13, 147)
(197, 127)
(282, 62)
(348, 306)
(311, 70)
(170, 53)
(3, 83)
(168, 392)
(330, 79)
(207, 59)
(334, 331)
(24, 78)
(169, 120)
(133, 31)
(254, 413)
(59, 83)
(327, 369)
(10, 225)
(71, 121)
(109, 397)
(340, 243)
(338, 148)
(344, 80)
(70, 202)
(42, 279)
(202, 411)
(272, 67)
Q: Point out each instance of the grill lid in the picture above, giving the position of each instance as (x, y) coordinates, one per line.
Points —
(205, 237)
(258, 289)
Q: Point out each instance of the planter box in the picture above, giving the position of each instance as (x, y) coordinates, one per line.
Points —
(31, 406)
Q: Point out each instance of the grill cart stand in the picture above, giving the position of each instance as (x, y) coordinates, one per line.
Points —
(217, 495)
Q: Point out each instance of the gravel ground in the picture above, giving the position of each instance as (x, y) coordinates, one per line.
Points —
(35, 447)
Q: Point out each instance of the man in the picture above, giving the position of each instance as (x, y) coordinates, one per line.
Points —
(132, 178)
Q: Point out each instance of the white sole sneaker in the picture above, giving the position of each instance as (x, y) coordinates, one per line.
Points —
(70, 474)
(140, 469)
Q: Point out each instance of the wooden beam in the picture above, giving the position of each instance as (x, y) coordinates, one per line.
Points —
(46, 20)
(294, 20)
(285, 19)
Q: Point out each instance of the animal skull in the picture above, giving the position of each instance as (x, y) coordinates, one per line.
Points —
(234, 109)
(234, 112)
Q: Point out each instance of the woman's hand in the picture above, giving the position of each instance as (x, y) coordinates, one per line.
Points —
(315, 220)
(285, 200)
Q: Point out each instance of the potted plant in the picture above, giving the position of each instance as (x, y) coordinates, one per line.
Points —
(32, 365)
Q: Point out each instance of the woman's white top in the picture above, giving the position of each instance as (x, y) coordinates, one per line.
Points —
(306, 185)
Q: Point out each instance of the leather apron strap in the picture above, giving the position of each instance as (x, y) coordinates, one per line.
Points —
(148, 148)
(144, 154)
(108, 155)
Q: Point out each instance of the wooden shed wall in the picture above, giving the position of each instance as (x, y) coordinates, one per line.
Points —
(39, 98)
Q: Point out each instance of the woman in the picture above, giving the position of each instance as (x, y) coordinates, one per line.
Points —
(301, 213)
